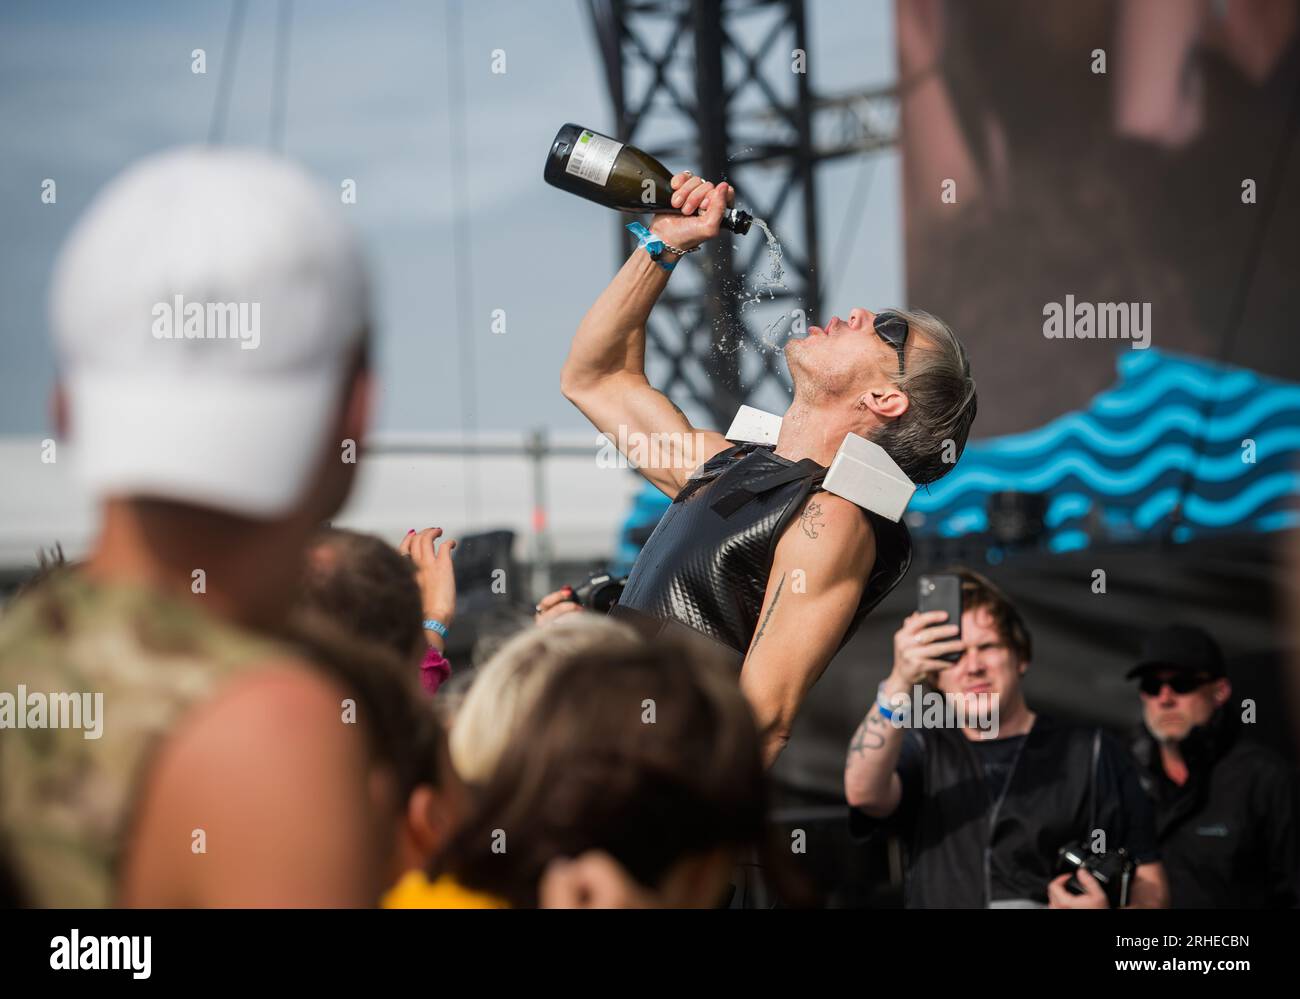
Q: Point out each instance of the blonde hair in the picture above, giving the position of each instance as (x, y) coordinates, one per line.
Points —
(508, 685)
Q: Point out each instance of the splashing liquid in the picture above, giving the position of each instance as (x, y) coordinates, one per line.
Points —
(775, 278)
(770, 340)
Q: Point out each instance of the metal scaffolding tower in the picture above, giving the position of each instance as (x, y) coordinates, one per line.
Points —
(721, 87)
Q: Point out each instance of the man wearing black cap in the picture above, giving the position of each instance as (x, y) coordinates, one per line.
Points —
(1226, 807)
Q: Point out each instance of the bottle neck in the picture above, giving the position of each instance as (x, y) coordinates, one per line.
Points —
(737, 221)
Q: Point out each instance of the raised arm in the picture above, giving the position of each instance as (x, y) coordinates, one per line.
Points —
(819, 569)
(871, 782)
(604, 374)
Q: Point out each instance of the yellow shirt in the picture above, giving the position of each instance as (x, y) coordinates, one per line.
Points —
(415, 891)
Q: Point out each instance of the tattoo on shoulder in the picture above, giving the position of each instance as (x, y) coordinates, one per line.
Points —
(810, 520)
(768, 616)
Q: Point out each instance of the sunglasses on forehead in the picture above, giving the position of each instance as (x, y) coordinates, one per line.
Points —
(1179, 683)
(892, 328)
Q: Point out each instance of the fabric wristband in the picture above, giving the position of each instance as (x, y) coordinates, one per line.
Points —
(435, 626)
(651, 243)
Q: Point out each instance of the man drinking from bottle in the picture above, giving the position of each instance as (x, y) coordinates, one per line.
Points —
(754, 558)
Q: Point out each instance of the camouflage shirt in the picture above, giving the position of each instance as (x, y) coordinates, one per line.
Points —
(91, 677)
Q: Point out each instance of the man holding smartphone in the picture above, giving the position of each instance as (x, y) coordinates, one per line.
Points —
(982, 818)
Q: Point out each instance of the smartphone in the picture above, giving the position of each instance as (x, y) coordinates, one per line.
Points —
(942, 591)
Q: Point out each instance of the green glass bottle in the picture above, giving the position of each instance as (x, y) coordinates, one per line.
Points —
(616, 175)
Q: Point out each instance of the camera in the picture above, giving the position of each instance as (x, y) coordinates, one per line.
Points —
(1114, 871)
(599, 592)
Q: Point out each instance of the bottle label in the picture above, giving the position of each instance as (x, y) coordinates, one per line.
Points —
(593, 157)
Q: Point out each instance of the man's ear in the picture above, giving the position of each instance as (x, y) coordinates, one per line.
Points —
(357, 401)
(1222, 691)
(889, 402)
(423, 821)
(59, 414)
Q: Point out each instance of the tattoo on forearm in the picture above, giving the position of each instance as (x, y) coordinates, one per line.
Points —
(768, 616)
(809, 522)
(866, 737)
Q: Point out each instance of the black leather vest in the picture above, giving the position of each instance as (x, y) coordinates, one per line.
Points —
(705, 568)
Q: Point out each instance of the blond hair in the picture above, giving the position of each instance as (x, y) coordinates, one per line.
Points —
(508, 684)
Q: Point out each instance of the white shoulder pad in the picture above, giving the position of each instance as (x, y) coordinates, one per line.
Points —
(753, 426)
(862, 471)
(865, 474)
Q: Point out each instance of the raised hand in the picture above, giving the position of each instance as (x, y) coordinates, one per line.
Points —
(433, 571)
(701, 204)
(917, 646)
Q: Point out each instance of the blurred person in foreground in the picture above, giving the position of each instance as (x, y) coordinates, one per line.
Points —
(754, 559)
(982, 810)
(502, 693)
(507, 686)
(382, 596)
(210, 316)
(1227, 818)
(636, 768)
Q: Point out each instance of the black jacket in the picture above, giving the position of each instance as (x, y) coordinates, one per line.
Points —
(1229, 836)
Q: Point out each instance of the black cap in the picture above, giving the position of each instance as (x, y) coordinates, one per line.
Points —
(1181, 647)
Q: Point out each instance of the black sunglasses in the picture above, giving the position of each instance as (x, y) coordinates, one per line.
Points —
(892, 328)
(1179, 683)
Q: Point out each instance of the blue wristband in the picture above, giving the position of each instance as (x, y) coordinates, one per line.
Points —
(889, 714)
(651, 243)
(435, 626)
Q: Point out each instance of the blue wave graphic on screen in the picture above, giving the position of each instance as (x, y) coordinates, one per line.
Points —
(1113, 471)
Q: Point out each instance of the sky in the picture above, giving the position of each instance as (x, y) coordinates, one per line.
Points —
(87, 87)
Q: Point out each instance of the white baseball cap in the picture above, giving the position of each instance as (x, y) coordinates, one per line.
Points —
(206, 309)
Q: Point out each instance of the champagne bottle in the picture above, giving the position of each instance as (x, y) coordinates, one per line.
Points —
(616, 175)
